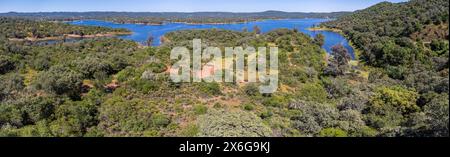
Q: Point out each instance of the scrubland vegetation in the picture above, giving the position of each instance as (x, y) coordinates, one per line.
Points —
(112, 87)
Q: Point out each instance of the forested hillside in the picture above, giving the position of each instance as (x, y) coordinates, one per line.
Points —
(161, 17)
(393, 34)
(405, 44)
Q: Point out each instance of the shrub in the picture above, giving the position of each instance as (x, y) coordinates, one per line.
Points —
(144, 86)
(249, 107)
(211, 88)
(10, 84)
(26, 110)
(200, 109)
(156, 67)
(356, 102)
(400, 98)
(314, 117)
(337, 88)
(92, 65)
(437, 112)
(60, 80)
(332, 132)
(274, 101)
(190, 131)
(313, 92)
(148, 75)
(251, 89)
(160, 120)
(126, 74)
(74, 118)
(266, 114)
(6, 64)
(119, 117)
(221, 123)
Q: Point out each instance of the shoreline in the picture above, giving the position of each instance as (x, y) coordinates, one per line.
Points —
(70, 36)
(320, 28)
(356, 51)
(189, 23)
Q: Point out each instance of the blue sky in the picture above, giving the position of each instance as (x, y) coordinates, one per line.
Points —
(186, 5)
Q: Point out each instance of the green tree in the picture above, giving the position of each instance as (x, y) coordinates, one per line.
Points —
(149, 41)
(389, 107)
(319, 39)
(74, 118)
(256, 29)
(338, 64)
(221, 123)
(437, 112)
(6, 64)
(60, 80)
(398, 97)
(121, 117)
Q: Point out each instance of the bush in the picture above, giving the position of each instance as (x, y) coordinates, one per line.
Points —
(337, 88)
(156, 67)
(144, 86)
(190, 131)
(200, 109)
(396, 72)
(221, 123)
(251, 89)
(266, 114)
(6, 64)
(41, 63)
(274, 101)
(119, 117)
(314, 117)
(351, 121)
(74, 118)
(40, 129)
(400, 98)
(160, 120)
(249, 107)
(437, 112)
(92, 65)
(60, 80)
(356, 102)
(211, 88)
(389, 107)
(332, 132)
(10, 84)
(313, 92)
(126, 74)
(26, 110)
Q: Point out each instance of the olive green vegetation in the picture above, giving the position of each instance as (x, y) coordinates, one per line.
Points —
(160, 18)
(114, 87)
(20, 28)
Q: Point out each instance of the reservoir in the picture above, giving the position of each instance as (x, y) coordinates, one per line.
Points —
(141, 32)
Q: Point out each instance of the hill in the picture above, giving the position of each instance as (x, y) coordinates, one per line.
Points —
(160, 17)
(405, 27)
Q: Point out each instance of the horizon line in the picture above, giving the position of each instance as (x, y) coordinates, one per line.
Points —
(166, 12)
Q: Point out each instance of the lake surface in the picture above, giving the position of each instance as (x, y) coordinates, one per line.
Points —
(141, 32)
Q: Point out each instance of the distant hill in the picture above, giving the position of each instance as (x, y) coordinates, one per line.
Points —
(168, 15)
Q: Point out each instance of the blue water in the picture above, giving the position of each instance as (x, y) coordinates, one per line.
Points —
(141, 32)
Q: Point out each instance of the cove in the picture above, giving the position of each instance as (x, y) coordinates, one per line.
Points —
(141, 32)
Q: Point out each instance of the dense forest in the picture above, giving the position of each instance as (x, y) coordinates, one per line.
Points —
(406, 45)
(157, 18)
(113, 87)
